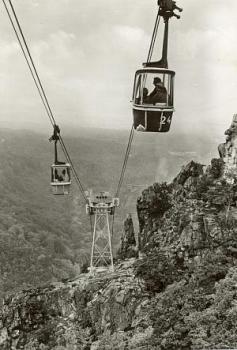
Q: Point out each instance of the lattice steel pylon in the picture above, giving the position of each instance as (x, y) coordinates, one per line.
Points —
(101, 207)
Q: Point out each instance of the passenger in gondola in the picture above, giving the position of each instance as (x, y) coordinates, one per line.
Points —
(57, 176)
(159, 94)
(64, 174)
(61, 179)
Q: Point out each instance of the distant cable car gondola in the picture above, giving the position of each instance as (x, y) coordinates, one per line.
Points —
(60, 171)
(60, 178)
(153, 90)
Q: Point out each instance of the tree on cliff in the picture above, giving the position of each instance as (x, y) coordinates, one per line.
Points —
(157, 270)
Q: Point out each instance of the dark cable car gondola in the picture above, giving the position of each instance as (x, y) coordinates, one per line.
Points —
(153, 90)
(60, 171)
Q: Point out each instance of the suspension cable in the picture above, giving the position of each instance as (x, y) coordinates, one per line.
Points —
(39, 86)
(153, 39)
(125, 161)
(28, 63)
(31, 60)
(73, 168)
(154, 35)
(128, 149)
(40, 89)
(45, 101)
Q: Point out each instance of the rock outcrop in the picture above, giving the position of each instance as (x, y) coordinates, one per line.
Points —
(228, 150)
(128, 247)
(190, 220)
(78, 314)
(180, 294)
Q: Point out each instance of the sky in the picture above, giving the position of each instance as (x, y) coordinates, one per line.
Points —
(87, 52)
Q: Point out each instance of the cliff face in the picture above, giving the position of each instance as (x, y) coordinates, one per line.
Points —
(180, 294)
(228, 150)
(128, 247)
(190, 221)
(80, 314)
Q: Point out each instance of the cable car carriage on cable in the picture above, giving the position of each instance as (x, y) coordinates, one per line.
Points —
(153, 111)
(60, 171)
(153, 90)
(60, 178)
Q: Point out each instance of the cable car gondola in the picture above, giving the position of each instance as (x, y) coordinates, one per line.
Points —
(60, 171)
(60, 178)
(153, 90)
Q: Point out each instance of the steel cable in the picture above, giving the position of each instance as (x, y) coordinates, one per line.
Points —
(125, 161)
(40, 88)
(31, 59)
(28, 63)
(153, 39)
(45, 101)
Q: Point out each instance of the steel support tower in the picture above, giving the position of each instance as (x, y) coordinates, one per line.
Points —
(101, 207)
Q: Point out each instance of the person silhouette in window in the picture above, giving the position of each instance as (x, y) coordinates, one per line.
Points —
(159, 93)
(58, 177)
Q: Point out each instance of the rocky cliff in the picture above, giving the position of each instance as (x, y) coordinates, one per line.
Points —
(228, 149)
(181, 293)
(86, 313)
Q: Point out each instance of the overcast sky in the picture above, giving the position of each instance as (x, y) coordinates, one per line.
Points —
(87, 51)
